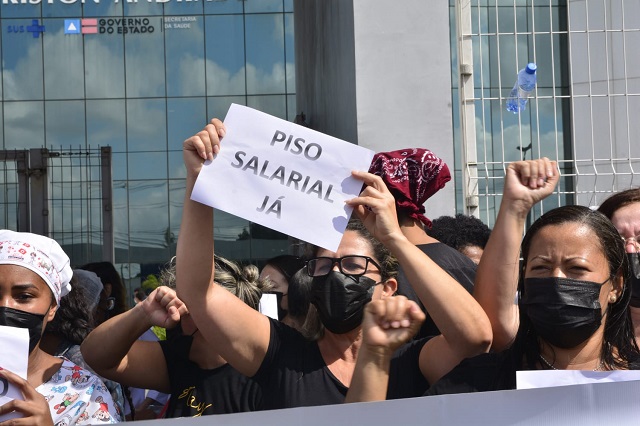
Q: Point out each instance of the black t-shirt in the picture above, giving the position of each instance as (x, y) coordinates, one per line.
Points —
(486, 372)
(459, 266)
(294, 374)
(196, 392)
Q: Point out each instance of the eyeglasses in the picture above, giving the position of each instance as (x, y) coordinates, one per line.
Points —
(349, 265)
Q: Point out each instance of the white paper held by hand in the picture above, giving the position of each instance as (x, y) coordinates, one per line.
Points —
(14, 356)
(283, 176)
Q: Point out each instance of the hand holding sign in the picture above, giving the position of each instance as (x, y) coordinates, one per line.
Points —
(34, 409)
(376, 208)
(202, 146)
(277, 174)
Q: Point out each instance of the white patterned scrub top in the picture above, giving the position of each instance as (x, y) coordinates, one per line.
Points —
(78, 397)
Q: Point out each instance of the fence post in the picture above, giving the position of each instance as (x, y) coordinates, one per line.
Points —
(108, 249)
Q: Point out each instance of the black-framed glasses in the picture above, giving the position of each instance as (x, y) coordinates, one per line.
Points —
(349, 265)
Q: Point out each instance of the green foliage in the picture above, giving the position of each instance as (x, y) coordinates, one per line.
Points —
(150, 283)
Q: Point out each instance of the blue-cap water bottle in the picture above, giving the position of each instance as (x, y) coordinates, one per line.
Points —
(517, 100)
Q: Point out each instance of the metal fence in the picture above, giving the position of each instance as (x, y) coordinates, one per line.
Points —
(582, 111)
(64, 194)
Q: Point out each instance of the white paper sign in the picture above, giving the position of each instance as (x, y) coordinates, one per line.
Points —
(551, 378)
(283, 176)
(14, 356)
(269, 305)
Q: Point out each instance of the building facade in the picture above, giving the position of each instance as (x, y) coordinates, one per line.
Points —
(140, 77)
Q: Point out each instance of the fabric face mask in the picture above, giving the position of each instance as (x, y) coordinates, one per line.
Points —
(634, 261)
(563, 311)
(340, 300)
(20, 319)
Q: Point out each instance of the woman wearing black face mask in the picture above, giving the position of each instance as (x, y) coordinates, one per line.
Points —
(623, 209)
(34, 275)
(292, 370)
(572, 311)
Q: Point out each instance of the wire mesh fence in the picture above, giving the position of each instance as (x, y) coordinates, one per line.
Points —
(581, 112)
(62, 193)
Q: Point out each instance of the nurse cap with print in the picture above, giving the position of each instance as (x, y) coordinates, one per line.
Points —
(41, 255)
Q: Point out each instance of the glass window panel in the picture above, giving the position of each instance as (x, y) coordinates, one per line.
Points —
(176, 203)
(288, 5)
(142, 8)
(176, 165)
(148, 220)
(64, 76)
(21, 61)
(290, 60)
(183, 8)
(107, 124)
(215, 7)
(186, 59)
(185, 117)
(261, 6)
(104, 65)
(291, 107)
(92, 9)
(147, 165)
(217, 107)
(1, 127)
(19, 11)
(118, 166)
(146, 125)
(265, 54)
(23, 125)
(274, 104)
(145, 61)
(65, 124)
(225, 55)
(232, 236)
(56, 9)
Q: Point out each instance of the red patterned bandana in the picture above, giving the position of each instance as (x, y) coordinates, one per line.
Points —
(412, 175)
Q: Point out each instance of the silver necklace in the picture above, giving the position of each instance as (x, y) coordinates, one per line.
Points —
(600, 366)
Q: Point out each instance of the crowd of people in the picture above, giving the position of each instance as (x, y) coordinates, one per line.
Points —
(404, 307)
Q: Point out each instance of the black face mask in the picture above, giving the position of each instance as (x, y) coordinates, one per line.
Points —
(20, 319)
(563, 311)
(340, 300)
(634, 261)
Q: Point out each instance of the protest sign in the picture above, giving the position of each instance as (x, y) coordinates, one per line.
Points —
(549, 378)
(283, 176)
(595, 404)
(14, 356)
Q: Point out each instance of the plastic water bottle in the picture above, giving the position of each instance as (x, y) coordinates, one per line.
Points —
(517, 100)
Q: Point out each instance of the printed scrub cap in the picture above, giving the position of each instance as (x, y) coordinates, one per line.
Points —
(39, 254)
(412, 175)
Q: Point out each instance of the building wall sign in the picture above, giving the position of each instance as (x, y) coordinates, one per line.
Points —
(35, 28)
(21, 2)
(125, 26)
(178, 22)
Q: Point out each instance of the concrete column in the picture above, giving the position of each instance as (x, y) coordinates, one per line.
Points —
(378, 73)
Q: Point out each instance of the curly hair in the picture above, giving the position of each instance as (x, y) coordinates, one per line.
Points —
(460, 231)
(73, 321)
